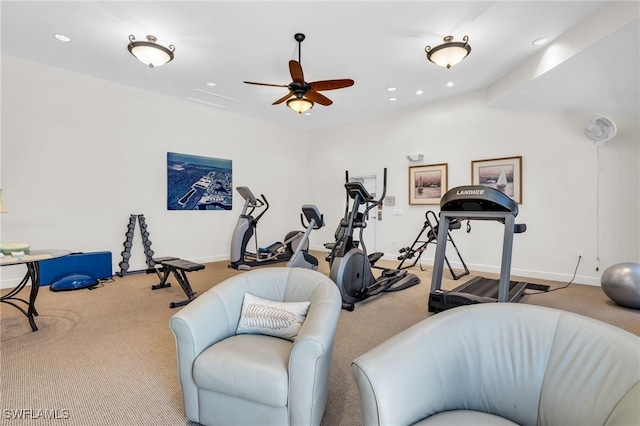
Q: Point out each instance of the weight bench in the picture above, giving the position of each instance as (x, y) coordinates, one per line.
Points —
(179, 267)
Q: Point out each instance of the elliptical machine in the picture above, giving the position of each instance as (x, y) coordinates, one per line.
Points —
(351, 265)
(247, 226)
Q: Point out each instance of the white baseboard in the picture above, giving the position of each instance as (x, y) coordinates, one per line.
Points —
(525, 273)
(10, 283)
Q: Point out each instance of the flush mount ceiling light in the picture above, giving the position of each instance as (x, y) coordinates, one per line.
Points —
(300, 105)
(149, 52)
(62, 37)
(540, 41)
(449, 52)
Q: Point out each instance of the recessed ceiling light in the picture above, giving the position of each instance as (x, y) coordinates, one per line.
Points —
(449, 84)
(211, 83)
(62, 37)
(393, 99)
(540, 41)
(307, 113)
(419, 92)
(391, 89)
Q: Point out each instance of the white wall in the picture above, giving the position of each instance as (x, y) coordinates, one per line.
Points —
(559, 183)
(80, 154)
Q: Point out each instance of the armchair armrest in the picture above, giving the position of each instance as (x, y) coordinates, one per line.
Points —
(310, 361)
(396, 380)
(197, 326)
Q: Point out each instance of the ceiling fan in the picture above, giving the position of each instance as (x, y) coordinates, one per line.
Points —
(303, 95)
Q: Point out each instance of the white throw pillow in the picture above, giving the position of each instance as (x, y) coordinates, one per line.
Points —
(278, 319)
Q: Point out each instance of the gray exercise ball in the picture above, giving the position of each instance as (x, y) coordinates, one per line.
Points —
(621, 282)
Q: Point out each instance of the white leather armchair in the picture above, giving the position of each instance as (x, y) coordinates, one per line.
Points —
(256, 379)
(502, 363)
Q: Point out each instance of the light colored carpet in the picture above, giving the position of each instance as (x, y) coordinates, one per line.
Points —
(107, 356)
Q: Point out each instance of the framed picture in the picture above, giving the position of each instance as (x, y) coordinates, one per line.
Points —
(427, 183)
(503, 174)
(198, 183)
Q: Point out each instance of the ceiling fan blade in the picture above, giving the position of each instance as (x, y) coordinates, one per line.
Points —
(318, 98)
(331, 84)
(282, 99)
(296, 72)
(266, 84)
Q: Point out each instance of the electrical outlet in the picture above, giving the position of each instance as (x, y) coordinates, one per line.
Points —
(579, 254)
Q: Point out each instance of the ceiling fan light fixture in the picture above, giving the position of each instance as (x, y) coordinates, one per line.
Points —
(300, 105)
(306, 94)
(449, 52)
(149, 52)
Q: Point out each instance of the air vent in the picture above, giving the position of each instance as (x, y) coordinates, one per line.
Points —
(212, 99)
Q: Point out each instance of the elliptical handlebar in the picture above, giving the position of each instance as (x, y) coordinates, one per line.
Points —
(261, 203)
(381, 199)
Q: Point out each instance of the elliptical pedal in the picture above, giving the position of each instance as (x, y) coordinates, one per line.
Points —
(374, 257)
(272, 248)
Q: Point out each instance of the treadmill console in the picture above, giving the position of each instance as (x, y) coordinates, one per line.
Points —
(477, 198)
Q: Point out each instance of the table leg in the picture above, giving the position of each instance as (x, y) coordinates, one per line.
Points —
(34, 272)
(11, 298)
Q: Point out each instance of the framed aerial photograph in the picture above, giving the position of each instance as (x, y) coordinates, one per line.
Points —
(198, 183)
(427, 183)
(503, 174)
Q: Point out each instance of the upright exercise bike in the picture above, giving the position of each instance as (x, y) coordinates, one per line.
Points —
(301, 257)
(247, 227)
(351, 266)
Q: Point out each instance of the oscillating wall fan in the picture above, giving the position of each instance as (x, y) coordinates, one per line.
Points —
(599, 129)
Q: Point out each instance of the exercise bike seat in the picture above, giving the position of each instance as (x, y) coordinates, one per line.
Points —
(374, 257)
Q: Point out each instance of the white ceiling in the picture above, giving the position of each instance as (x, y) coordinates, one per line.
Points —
(376, 43)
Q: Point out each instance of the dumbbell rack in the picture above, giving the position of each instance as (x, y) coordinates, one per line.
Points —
(128, 243)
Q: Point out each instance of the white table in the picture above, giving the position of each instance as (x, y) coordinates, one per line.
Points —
(32, 261)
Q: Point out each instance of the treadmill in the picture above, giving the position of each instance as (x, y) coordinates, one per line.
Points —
(476, 202)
